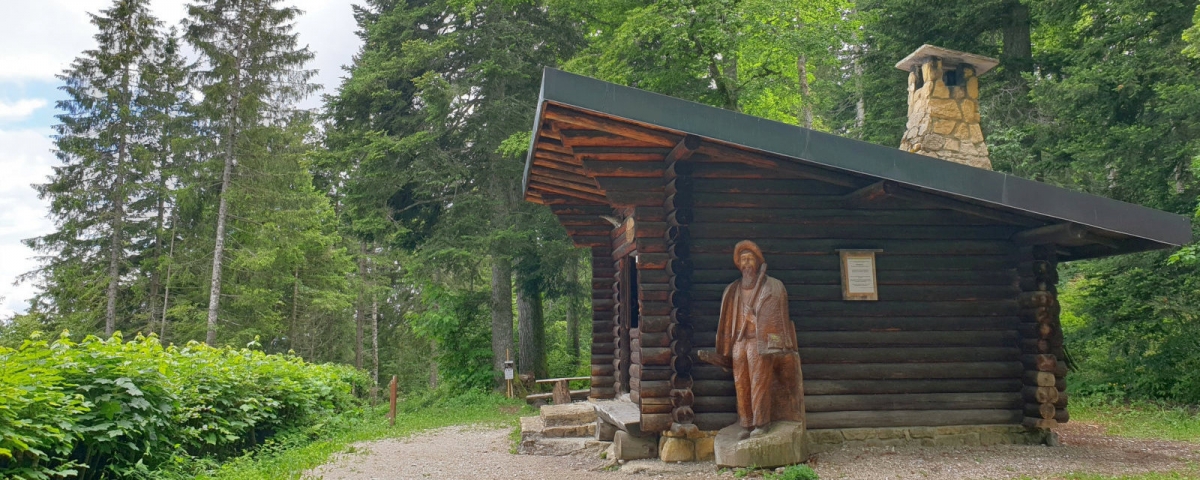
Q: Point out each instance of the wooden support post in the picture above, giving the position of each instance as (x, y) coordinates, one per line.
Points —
(392, 400)
(562, 392)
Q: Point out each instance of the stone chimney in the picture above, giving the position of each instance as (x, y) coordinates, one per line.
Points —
(943, 105)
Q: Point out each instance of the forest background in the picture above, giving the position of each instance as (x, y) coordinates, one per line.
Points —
(387, 231)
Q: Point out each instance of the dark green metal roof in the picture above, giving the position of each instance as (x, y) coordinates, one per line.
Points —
(952, 180)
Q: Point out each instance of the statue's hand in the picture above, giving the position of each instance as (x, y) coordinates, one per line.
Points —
(713, 358)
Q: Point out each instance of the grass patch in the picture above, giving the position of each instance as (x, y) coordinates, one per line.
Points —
(417, 414)
(1187, 473)
(1138, 419)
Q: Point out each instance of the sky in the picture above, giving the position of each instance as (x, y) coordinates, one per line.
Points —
(39, 40)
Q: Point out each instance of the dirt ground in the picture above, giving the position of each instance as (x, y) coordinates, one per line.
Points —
(483, 453)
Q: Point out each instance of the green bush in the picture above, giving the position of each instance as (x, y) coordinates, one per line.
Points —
(116, 409)
(794, 472)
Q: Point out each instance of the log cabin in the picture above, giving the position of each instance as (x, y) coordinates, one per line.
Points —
(963, 328)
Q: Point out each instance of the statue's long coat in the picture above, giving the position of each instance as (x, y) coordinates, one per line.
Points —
(773, 327)
(776, 338)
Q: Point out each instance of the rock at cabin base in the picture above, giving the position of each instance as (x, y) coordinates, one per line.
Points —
(783, 444)
(605, 431)
(672, 449)
(629, 447)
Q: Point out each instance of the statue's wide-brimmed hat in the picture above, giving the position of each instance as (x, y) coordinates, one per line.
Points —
(747, 246)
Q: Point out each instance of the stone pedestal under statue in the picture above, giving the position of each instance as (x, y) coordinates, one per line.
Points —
(782, 444)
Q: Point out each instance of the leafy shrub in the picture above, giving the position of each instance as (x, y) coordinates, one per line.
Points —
(116, 409)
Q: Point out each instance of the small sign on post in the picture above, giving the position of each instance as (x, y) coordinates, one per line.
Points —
(509, 374)
(858, 274)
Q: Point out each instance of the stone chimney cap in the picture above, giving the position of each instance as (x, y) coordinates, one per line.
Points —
(949, 58)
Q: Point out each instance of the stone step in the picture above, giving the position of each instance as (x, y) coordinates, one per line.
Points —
(624, 415)
(556, 446)
(534, 427)
(569, 415)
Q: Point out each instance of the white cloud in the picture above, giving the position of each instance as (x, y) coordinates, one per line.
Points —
(20, 109)
(25, 158)
(40, 39)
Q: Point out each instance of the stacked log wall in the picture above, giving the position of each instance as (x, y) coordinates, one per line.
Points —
(650, 374)
(678, 207)
(941, 346)
(1041, 339)
(603, 384)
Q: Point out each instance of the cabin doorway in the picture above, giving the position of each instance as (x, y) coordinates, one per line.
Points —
(630, 318)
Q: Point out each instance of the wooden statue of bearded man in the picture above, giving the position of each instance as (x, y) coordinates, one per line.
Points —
(756, 338)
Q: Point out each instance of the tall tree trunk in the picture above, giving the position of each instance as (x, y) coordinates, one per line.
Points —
(502, 315)
(573, 313)
(532, 333)
(292, 329)
(806, 113)
(860, 107)
(1018, 47)
(115, 246)
(375, 341)
(359, 307)
(433, 365)
(214, 291)
(162, 335)
(156, 274)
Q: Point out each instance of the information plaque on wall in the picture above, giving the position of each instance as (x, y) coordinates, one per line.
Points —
(858, 275)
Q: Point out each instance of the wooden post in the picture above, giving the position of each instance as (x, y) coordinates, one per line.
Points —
(562, 392)
(392, 399)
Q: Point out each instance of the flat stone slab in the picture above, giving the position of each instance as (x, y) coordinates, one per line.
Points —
(568, 415)
(629, 447)
(538, 439)
(783, 444)
(621, 414)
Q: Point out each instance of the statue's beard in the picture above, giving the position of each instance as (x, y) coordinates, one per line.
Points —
(749, 276)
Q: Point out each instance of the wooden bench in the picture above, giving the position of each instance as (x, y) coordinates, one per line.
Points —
(562, 393)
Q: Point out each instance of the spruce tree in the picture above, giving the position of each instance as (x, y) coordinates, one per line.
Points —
(91, 193)
(167, 152)
(252, 74)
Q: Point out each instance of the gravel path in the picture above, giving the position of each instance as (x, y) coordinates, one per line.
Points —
(482, 453)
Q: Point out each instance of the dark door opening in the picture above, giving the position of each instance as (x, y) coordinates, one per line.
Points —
(629, 318)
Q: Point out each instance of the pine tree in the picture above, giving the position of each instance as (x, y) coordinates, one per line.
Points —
(93, 194)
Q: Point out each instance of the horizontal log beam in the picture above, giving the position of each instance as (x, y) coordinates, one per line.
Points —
(872, 309)
(912, 418)
(879, 217)
(772, 246)
(904, 324)
(876, 387)
(596, 138)
(593, 122)
(813, 356)
(713, 152)
(927, 371)
(922, 401)
(844, 232)
(886, 292)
